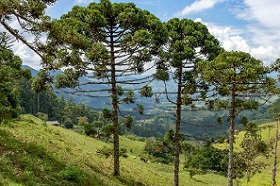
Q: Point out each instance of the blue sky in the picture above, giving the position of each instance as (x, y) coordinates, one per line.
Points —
(241, 25)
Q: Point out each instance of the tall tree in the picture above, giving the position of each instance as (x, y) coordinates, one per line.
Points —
(274, 111)
(108, 43)
(28, 14)
(188, 43)
(239, 79)
(10, 74)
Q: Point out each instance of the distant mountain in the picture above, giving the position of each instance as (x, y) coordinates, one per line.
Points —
(33, 71)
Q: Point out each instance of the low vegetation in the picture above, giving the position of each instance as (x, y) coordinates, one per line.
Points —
(33, 153)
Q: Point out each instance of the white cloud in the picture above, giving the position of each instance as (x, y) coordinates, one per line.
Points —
(198, 6)
(231, 39)
(265, 13)
(82, 1)
(28, 57)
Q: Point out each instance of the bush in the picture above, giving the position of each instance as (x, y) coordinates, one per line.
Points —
(160, 150)
(72, 173)
(207, 158)
(89, 130)
(107, 152)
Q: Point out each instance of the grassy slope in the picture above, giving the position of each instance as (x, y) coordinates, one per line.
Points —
(264, 178)
(32, 153)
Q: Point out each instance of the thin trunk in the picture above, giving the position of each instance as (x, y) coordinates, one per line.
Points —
(115, 107)
(38, 102)
(275, 155)
(231, 136)
(177, 139)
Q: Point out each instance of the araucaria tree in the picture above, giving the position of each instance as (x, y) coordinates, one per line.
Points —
(188, 42)
(29, 15)
(240, 80)
(108, 43)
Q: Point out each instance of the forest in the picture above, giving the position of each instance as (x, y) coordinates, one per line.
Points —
(112, 71)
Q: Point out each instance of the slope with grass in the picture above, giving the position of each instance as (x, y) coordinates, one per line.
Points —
(33, 153)
(263, 178)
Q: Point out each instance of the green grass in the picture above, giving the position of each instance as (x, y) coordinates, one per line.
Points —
(33, 153)
(264, 177)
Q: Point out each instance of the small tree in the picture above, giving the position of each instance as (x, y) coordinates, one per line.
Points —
(253, 147)
(238, 78)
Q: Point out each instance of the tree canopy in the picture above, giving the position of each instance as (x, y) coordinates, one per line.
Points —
(188, 42)
(29, 15)
(10, 74)
(240, 79)
(108, 43)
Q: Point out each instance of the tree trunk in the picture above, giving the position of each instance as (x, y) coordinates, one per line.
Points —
(275, 155)
(115, 107)
(231, 137)
(177, 137)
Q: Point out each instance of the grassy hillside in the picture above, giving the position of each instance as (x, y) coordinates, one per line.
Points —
(264, 178)
(32, 153)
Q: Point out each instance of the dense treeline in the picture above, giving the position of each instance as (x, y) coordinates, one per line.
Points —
(56, 108)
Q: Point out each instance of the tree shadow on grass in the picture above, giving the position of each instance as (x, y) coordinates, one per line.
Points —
(30, 164)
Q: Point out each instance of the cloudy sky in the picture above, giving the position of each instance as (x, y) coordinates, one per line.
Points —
(241, 25)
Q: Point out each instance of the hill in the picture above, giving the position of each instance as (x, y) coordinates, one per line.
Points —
(33, 153)
(267, 131)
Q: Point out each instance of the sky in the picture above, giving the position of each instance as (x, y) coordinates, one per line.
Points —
(240, 25)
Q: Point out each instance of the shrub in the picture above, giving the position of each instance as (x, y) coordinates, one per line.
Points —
(89, 130)
(107, 152)
(160, 150)
(72, 173)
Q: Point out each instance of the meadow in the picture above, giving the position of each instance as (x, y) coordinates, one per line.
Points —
(33, 153)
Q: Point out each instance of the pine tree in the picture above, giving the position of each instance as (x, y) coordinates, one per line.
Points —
(188, 43)
(239, 79)
(108, 43)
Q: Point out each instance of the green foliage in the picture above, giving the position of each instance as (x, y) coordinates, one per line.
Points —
(39, 82)
(128, 121)
(140, 108)
(90, 130)
(107, 152)
(253, 147)
(274, 110)
(72, 173)
(42, 116)
(108, 129)
(30, 15)
(82, 120)
(107, 114)
(146, 91)
(106, 40)
(207, 158)
(130, 98)
(160, 150)
(10, 74)
(120, 91)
